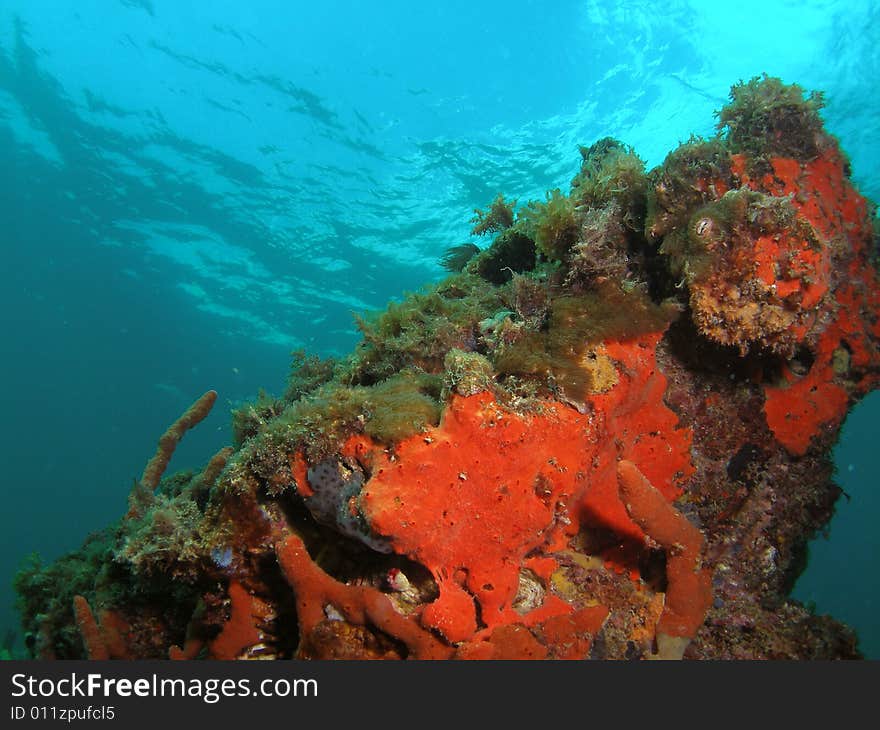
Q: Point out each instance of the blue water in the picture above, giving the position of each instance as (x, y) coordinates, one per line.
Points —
(189, 191)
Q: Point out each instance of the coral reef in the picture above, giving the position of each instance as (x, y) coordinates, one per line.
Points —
(605, 436)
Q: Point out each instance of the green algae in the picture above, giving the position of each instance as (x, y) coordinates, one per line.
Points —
(551, 224)
(249, 417)
(512, 252)
(563, 355)
(45, 594)
(467, 373)
(319, 424)
(307, 374)
(686, 180)
(498, 217)
(612, 173)
(766, 117)
(418, 331)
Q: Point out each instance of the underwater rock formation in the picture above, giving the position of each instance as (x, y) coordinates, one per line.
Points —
(606, 436)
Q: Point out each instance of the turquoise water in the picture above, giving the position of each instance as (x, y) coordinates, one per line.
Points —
(189, 194)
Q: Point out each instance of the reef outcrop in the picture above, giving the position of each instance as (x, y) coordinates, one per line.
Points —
(605, 436)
